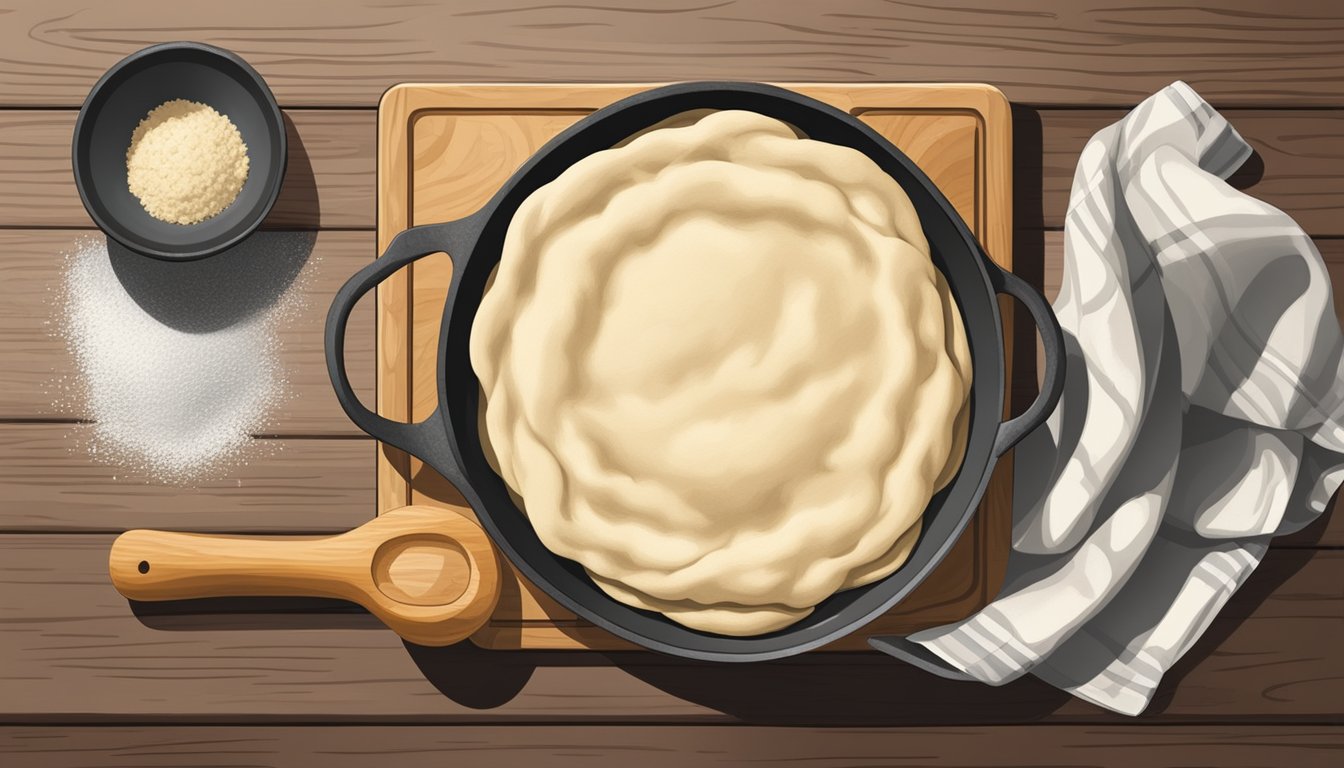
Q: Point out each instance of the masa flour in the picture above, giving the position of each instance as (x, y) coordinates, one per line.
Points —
(186, 162)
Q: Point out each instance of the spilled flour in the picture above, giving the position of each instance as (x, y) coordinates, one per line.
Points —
(174, 367)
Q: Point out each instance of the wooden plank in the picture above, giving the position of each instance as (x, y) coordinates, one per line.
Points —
(37, 359)
(1088, 52)
(1056, 746)
(320, 485)
(1300, 167)
(1272, 653)
(49, 482)
(328, 182)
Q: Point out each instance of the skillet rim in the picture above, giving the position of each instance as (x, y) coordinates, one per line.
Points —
(778, 644)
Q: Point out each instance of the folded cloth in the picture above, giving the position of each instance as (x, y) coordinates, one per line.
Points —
(1203, 414)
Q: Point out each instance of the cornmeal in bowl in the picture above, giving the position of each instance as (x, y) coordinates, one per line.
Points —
(186, 162)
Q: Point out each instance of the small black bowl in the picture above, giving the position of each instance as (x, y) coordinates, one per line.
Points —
(125, 95)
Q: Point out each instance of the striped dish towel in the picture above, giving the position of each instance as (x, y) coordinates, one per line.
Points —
(1203, 414)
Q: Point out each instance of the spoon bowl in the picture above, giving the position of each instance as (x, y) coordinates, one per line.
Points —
(430, 574)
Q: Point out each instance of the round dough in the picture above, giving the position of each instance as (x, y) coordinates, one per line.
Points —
(722, 372)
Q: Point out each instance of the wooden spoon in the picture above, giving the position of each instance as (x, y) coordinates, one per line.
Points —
(430, 574)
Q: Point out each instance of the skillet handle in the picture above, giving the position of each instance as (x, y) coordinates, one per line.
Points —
(426, 440)
(1052, 339)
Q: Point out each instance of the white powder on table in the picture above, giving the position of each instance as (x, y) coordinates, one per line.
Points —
(186, 162)
(177, 406)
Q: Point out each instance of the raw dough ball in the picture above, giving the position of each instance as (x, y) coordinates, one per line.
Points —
(722, 371)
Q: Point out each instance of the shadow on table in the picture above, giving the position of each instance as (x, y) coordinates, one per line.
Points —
(1028, 249)
(850, 689)
(821, 689)
(265, 613)
(220, 291)
(1258, 587)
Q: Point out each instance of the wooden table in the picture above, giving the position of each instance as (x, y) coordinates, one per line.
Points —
(84, 680)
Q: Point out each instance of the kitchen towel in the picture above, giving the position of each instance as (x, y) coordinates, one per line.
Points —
(1203, 414)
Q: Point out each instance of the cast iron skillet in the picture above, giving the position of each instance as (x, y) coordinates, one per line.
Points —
(449, 442)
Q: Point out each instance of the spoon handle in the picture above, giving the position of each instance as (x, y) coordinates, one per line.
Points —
(430, 574)
(160, 565)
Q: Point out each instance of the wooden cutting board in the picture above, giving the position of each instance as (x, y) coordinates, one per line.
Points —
(443, 150)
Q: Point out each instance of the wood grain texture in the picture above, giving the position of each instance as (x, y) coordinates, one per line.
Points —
(444, 149)
(72, 651)
(328, 181)
(579, 746)
(1298, 166)
(1271, 654)
(38, 369)
(1089, 52)
(49, 482)
(393, 359)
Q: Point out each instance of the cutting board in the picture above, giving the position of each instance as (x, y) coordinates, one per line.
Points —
(443, 150)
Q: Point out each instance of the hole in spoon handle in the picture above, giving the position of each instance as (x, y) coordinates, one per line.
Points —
(161, 565)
